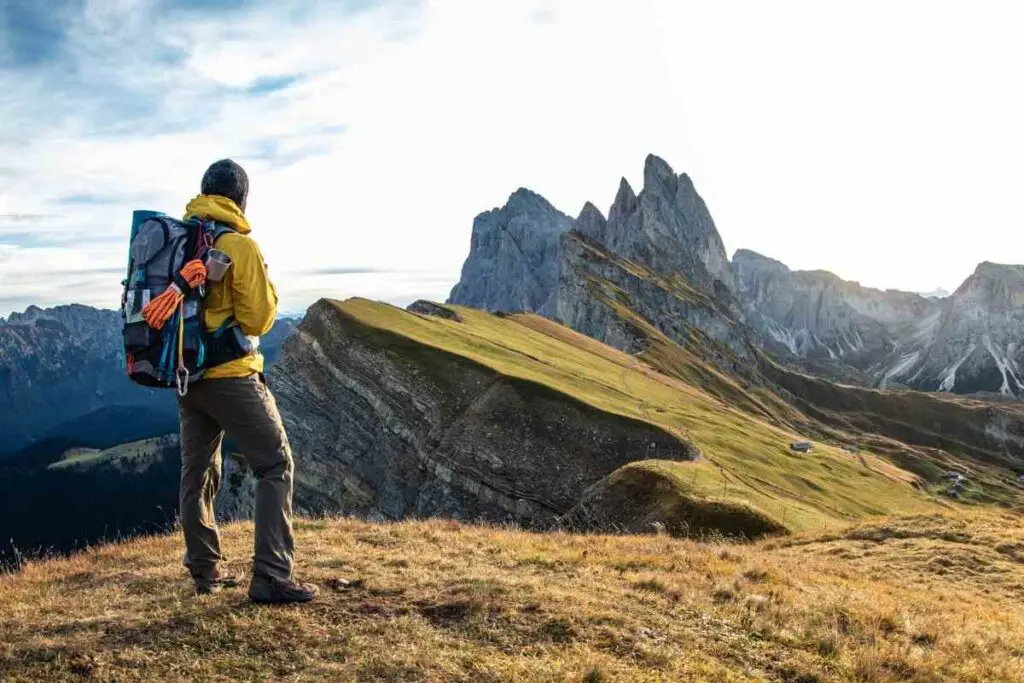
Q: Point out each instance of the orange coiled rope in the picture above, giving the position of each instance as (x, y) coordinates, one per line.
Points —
(158, 311)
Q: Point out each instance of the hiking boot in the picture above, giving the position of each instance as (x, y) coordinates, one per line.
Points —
(267, 591)
(207, 585)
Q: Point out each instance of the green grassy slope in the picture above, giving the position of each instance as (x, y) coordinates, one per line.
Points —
(746, 458)
(133, 456)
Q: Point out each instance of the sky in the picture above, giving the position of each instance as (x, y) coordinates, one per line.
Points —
(883, 141)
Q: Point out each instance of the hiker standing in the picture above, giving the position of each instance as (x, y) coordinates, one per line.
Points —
(233, 397)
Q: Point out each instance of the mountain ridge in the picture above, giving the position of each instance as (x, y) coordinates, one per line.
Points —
(812, 320)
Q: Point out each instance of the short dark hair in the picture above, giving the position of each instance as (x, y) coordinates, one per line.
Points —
(227, 179)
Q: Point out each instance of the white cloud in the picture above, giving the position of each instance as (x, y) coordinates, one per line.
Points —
(879, 140)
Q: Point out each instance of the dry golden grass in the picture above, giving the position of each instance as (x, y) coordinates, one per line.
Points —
(919, 599)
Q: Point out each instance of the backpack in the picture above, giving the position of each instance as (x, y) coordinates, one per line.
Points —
(184, 349)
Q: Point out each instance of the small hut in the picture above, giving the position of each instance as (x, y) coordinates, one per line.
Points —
(801, 446)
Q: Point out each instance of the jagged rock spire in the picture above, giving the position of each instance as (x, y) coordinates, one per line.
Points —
(657, 173)
(592, 223)
(625, 202)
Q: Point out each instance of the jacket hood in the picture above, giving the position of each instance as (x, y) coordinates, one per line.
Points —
(220, 209)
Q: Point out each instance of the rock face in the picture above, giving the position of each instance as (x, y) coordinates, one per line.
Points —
(973, 342)
(614, 300)
(513, 256)
(386, 428)
(658, 261)
(667, 228)
(966, 343)
(814, 314)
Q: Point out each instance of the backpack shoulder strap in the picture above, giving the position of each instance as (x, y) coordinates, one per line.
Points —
(218, 230)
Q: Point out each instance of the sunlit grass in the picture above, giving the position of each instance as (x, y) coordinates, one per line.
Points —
(918, 599)
(746, 459)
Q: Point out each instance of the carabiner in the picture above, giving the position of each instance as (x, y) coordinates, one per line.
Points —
(182, 372)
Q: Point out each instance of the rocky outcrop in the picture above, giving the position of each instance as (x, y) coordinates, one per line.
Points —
(666, 228)
(646, 498)
(429, 308)
(656, 261)
(386, 428)
(513, 256)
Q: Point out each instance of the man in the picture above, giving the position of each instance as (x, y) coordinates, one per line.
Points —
(233, 397)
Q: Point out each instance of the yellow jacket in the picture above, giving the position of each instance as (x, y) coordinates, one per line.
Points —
(245, 292)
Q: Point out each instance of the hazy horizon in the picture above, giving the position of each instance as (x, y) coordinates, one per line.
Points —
(878, 142)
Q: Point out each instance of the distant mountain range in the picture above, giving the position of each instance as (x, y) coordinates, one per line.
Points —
(62, 381)
(970, 341)
(529, 256)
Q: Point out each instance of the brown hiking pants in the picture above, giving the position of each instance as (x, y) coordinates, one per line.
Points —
(245, 409)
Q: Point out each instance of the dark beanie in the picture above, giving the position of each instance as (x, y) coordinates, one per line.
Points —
(227, 179)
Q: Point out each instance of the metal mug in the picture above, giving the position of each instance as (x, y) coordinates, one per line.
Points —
(217, 264)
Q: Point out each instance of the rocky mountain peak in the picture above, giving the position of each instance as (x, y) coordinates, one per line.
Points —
(591, 223)
(662, 235)
(671, 230)
(965, 343)
(513, 255)
(525, 201)
(745, 258)
(83, 323)
(59, 313)
(658, 174)
(992, 288)
(26, 317)
(625, 202)
(998, 271)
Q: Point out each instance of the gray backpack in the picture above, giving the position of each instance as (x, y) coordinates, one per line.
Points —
(183, 349)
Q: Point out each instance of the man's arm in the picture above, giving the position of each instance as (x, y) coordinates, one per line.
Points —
(254, 295)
